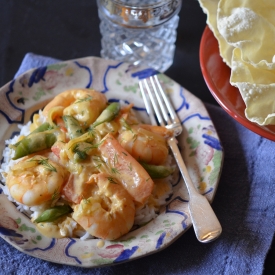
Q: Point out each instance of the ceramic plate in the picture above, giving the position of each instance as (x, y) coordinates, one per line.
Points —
(216, 75)
(199, 142)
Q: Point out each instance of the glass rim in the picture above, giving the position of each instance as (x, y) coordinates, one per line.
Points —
(139, 15)
(138, 6)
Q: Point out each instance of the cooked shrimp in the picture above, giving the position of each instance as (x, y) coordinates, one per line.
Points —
(84, 105)
(122, 166)
(109, 213)
(144, 145)
(35, 180)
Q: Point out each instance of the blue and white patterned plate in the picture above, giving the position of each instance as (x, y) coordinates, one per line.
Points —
(199, 142)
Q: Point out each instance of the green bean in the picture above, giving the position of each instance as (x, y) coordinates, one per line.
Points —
(73, 127)
(157, 171)
(107, 114)
(54, 213)
(43, 127)
(34, 143)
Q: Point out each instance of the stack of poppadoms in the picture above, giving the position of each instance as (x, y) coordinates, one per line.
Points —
(245, 30)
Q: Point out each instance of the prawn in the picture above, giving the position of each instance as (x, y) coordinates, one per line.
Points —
(109, 213)
(123, 167)
(145, 144)
(35, 180)
(85, 105)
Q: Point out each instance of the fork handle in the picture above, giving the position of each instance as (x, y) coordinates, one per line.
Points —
(206, 224)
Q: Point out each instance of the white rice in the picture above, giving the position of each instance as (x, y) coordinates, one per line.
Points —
(145, 215)
(68, 230)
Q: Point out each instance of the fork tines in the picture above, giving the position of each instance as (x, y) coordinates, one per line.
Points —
(154, 96)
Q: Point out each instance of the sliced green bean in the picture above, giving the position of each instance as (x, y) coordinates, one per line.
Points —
(107, 114)
(54, 213)
(34, 143)
(42, 128)
(73, 127)
(157, 171)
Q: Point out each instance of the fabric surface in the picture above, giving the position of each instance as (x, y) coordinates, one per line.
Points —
(244, 204)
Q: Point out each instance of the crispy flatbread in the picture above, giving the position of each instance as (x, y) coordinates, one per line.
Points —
(248, 28)
(210, 8)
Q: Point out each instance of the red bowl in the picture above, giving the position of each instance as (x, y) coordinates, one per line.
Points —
(216, 75)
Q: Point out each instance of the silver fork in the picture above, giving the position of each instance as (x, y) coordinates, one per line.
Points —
(206, 225)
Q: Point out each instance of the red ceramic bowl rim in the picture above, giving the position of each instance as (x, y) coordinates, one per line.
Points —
(223, 103)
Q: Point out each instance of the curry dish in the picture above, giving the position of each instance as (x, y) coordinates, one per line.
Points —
(87, 167)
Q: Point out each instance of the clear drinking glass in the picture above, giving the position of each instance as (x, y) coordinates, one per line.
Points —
(139, 32)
